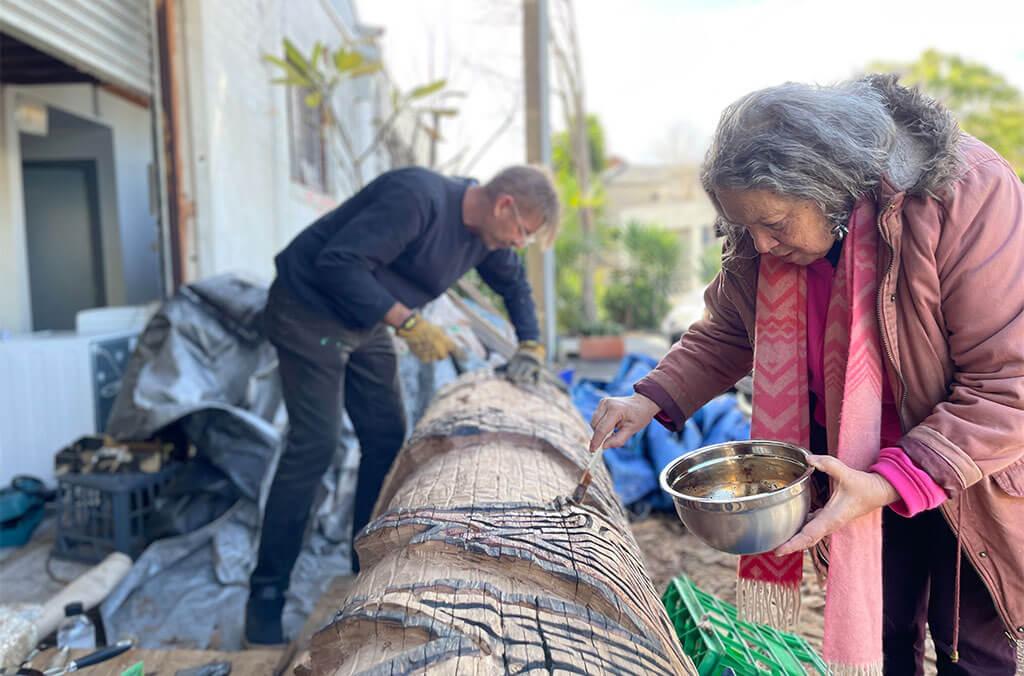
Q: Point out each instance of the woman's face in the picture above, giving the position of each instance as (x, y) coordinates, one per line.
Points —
(794, 230)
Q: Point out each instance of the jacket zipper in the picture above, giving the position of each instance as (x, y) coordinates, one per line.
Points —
(881, 324)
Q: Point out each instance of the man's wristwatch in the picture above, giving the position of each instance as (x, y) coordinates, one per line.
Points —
(409, 322)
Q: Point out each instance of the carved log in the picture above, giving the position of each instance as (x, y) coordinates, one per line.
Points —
(474, 564)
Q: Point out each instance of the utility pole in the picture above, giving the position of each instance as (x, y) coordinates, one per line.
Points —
(540, 265)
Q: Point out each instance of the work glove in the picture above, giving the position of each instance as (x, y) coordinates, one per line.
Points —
(527, 365)
(426, 340)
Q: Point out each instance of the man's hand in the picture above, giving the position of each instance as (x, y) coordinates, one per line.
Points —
(426, 340)
(625, 416)
(527, 364)
(854, 494)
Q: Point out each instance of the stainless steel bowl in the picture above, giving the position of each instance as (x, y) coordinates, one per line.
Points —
(741, 497)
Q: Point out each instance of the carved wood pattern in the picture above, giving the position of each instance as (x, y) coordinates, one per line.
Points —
(474, 564)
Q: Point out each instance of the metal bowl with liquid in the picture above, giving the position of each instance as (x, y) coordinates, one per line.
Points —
(741, 497)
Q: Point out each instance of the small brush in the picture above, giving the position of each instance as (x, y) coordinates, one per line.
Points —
(584, 484)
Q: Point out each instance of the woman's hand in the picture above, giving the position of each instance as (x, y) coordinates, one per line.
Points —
(625, 416)
(854, 494)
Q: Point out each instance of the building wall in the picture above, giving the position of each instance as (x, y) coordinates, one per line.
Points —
(136, 176)
(635, 185)
(246, 207)
(72, 138)
(15, 308)
(109, 39)
(241, 206)
(131, 252)
(669, 196)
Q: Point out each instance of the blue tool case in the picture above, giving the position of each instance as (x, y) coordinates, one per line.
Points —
(21, 509)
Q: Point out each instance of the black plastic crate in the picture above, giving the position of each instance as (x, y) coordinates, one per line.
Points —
(102, 513)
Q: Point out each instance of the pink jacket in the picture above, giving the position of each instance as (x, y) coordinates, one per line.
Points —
(951, 305)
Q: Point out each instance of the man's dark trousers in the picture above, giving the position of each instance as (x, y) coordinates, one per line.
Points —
(325, 366)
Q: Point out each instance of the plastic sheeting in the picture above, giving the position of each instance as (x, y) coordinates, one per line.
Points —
(636, 466)
(203, 365)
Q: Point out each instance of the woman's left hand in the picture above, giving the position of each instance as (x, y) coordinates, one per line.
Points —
(854, 494)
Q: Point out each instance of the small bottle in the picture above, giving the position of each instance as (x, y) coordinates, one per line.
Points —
(76, 631)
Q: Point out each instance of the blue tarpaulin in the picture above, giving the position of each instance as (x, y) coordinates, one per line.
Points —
(635, 467)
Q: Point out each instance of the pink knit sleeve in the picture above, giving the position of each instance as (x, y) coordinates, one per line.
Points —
(917, 490)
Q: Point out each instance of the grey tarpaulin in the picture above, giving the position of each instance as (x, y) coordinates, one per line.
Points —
(202, 362)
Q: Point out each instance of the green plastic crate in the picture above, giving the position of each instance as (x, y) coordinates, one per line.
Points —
(716, 639)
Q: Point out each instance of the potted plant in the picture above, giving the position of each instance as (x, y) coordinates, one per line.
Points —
(602, 340)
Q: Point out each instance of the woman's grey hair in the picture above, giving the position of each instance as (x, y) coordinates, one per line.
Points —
(827, 144)
(533, 188)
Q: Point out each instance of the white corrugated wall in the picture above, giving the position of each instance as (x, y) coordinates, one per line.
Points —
(109, 39)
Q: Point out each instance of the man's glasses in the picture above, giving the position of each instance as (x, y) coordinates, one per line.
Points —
(528, 238)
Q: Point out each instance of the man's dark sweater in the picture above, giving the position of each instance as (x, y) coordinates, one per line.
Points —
(401, 238)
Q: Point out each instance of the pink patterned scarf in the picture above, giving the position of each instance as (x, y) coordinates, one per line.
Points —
(769, 586)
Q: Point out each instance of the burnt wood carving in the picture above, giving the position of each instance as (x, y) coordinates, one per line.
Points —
(476, 564)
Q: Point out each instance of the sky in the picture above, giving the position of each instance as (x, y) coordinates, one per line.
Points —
(659, 72)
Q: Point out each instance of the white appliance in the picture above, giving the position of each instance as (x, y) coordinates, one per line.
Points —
(55, 388)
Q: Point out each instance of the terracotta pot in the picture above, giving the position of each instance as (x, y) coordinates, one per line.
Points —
(602, 347)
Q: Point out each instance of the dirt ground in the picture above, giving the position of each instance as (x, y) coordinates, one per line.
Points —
(669, 551)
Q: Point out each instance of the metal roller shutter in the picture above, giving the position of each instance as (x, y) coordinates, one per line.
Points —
(110, 39)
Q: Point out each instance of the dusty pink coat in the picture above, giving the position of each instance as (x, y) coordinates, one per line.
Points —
(951, 303)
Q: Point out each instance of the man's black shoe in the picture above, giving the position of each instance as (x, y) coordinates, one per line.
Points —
(263, 617)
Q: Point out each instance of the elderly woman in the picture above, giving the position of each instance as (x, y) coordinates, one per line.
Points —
(873, 277)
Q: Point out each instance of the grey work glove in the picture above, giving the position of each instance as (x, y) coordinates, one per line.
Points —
(527, 365)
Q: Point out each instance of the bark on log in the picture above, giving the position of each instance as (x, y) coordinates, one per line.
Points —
(474, 564)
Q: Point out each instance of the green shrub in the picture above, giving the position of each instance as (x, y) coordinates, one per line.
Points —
(601, 327)
(638, 295)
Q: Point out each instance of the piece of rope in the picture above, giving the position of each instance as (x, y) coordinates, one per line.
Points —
(954, 656)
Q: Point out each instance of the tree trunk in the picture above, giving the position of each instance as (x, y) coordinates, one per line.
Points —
(581, 158)
(583, 161)
(569, 67)
(472, 566)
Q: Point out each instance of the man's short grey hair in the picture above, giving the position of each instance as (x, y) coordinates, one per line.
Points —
(533, 188)
(828, 144)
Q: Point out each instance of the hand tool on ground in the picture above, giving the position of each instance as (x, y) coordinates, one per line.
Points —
(219, 668)
(101, 655)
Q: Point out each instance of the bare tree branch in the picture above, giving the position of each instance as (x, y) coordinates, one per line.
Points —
(492, 139)
(569, 67)
(452, 163)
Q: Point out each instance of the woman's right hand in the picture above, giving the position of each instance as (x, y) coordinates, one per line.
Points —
(625, 416)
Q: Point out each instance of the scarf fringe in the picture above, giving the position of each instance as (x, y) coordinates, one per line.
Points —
(1020, 657)
(762, 602)
(855, 669)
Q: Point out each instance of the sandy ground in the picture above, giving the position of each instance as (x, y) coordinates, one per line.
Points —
(669, 551)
